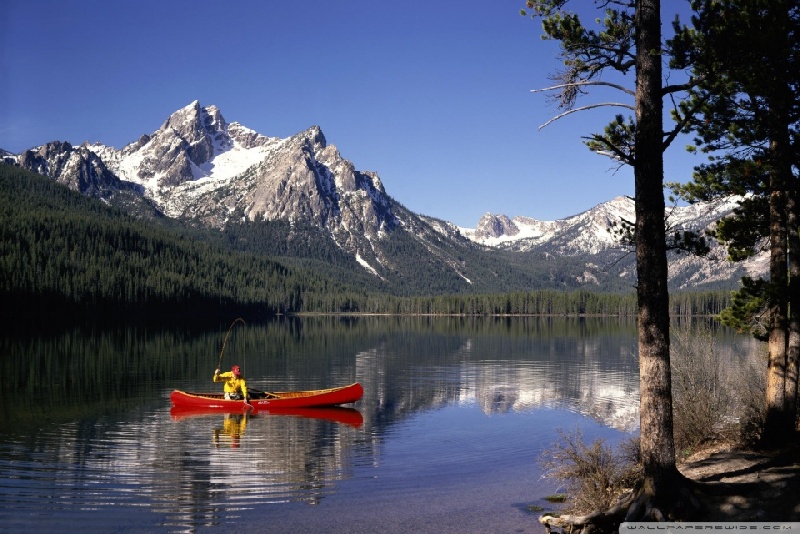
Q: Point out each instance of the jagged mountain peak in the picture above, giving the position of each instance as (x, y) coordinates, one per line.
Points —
(194, 122)
(596, 233)
(202, 129)
(194, 117)
(312, 138)
(199, 166)
(76, 167)
(193, 143)
(491, 225)
(522, 233)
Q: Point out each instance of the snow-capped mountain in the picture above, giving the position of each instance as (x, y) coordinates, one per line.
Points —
(198, 167)
(596, 233)
(591, 231)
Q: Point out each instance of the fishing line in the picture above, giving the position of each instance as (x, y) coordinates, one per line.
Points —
(221, 352)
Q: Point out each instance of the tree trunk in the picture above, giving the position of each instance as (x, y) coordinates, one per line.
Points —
(656, 438)
(779, 423)
(793, 348)
(776, 365)
(784, 329)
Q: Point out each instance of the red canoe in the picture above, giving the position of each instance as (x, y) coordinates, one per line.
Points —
(278, 399)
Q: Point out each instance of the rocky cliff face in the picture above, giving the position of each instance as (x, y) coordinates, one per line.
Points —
(197, 166)
(308, 180)
(76, 167)
(495, 226)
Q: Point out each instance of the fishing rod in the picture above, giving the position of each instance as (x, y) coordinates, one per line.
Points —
(221, 352)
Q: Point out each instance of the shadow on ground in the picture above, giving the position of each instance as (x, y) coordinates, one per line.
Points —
(748, 486)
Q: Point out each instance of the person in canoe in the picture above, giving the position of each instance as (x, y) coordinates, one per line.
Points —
(235, 387)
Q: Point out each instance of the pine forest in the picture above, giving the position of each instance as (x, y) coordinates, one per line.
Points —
(64, 255)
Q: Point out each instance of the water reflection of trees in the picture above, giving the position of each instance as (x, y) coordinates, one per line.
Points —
(276, 459)
(83, 369)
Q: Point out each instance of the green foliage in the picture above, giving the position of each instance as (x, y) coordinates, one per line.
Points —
(745, 231)
(745, 57)
(63, 253)
(586, 53)
(688, 241)
(748, 311)
(285, 239)
(617, 140)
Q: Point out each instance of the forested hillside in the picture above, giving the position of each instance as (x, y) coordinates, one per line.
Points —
(64, 256)
(62, 252)
(410, 268)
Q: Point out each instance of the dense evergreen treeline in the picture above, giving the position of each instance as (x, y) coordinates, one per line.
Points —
(62, 253)
(538, 302)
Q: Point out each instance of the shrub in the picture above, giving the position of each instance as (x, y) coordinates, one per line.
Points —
(716, 395)
(594, 476)
(751, 408)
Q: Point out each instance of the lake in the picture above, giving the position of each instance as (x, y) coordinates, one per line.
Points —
(447, 438)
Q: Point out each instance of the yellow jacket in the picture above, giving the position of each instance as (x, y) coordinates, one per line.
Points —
(232, 384)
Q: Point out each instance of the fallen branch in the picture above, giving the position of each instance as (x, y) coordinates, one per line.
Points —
(637, 505)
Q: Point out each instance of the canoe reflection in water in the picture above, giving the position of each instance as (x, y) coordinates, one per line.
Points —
(314, 404)
(336, 414)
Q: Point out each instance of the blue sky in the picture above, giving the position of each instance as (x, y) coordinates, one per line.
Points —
(434, 96)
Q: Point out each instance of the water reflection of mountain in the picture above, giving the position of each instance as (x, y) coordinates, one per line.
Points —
(610, 397)
(595, 374)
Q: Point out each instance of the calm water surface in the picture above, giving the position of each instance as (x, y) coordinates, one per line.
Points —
(446, 439)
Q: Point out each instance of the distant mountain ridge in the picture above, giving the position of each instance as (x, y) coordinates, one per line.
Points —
(593, 233)
(197, 167)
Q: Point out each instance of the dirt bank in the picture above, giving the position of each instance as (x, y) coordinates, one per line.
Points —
(743, 485)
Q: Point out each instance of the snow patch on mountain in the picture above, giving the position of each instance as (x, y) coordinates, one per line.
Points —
(231, 158)
(361, 261)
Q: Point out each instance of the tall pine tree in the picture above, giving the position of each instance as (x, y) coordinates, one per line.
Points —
(630, 41)
(746, 57)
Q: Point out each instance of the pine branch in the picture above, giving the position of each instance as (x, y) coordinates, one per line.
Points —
(683, 121)
(584, 83)
(677, 88)
(612, 151)
(585, 108)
